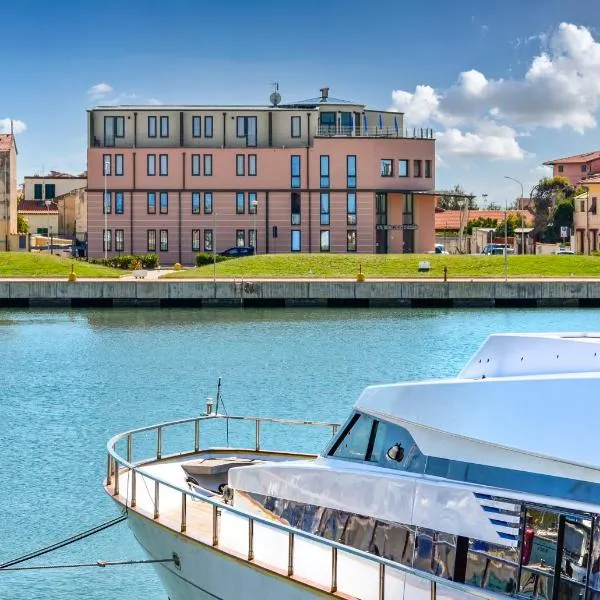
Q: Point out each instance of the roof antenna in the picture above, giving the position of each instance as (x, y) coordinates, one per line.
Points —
(12, 129)
(275, 96)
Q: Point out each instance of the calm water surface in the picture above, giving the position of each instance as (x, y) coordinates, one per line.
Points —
(72, 379)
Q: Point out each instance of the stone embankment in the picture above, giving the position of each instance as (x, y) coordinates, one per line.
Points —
(275, 293)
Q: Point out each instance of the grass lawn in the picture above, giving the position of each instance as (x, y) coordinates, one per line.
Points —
(397, 265)
(29, 264)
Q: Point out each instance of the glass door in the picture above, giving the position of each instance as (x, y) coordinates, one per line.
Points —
(381, 234)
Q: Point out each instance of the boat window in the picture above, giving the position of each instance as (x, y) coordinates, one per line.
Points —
(354, 442)
(358, 532)
(332, 524)
(435, 552)
(574, 557)
(394, 541)
(492, 567)
(395, 448)
(594, 578)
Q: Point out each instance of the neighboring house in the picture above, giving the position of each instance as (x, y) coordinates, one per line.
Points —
(320, 175)
(8, 190)
(586, 218)
(72, 213)
(449, 221)
(575, 168)
(42, 218)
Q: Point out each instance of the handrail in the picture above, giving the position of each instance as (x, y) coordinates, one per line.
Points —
(115, 460)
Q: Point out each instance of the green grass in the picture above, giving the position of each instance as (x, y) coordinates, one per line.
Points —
(29, 264)
(397, 265)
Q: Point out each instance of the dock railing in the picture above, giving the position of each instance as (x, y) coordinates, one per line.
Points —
(387, 577)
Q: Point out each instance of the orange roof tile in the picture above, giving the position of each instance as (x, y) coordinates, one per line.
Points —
(450, 219)
(577, 158)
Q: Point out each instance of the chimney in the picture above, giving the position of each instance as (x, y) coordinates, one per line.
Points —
(324, 94)
(12, 129)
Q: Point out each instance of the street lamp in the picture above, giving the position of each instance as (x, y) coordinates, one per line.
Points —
(48, 203)
(214, 245)
(505, 239)
(254, 206)
(521, 210)
(105, 208)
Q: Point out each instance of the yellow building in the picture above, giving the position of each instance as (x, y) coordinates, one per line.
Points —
(8, 189)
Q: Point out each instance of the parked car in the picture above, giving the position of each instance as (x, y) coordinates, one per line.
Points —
(502, 249)
(564, 251)
(238, 251)
(489, 248)
(440, 249)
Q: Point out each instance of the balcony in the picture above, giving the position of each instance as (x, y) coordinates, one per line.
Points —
(374, 132)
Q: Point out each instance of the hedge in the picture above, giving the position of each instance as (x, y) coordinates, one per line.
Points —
(207, 258)
(129, 262)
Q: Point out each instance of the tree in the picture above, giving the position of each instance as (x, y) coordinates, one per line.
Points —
(22, 224)
(494, 206)
(486, 222)
(512, 222)
(547, 195)
(451, 199)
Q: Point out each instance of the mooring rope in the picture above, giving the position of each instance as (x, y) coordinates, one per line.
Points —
(70, 540)
(99, 563)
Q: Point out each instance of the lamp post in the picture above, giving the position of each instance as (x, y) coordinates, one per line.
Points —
(521, 210)
(105, 209)
(214, 245)
(254, 206)
(48, 203)
(505, 238)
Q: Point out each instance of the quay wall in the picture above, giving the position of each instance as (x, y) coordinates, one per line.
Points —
(195, 293)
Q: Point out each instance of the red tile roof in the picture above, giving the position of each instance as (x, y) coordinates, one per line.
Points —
(577, 158)
(57, 175)
(6, 141)
(37, 207)
(594, 178)
(450, 219)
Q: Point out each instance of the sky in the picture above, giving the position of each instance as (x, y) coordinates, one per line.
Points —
(505, 85)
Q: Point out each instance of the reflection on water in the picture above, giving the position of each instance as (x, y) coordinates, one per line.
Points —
(72, 379)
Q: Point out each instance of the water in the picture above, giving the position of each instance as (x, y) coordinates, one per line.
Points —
(72, 379)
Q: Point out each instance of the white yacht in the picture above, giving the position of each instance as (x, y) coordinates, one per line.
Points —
(485, 485)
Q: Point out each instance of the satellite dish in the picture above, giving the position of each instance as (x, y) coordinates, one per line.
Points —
(275, 98)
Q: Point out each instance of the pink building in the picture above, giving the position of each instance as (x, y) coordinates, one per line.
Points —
(575, 168)
(321, 175)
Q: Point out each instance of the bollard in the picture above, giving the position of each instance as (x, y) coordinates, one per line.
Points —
(445, 273)
(360, 276)
(72, 276)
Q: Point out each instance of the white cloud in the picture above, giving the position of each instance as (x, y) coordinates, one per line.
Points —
(154, 102)
(100, 90)
(18, 126)
(560, 89)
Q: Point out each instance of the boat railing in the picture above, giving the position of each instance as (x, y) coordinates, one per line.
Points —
(119, 468)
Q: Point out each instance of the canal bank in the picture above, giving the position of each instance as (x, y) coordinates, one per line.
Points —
(280, 293)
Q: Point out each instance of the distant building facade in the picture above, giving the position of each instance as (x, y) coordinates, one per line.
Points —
(577, 167)
(41, 219)
(8, 190)
(586, 217)
(321, 175)
(72, 213)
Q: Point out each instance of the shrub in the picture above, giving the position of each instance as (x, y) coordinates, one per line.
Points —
(128, 262)
(206, 258)
(149, 261)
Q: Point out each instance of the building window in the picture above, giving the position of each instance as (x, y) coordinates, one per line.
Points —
(119, 204)
(50, 191)
(151, 164)
(195, 240)
(295, 170)
(387, 168)
(107, 240)
(164, 127)
(107, 161)
(324, 241)
(295, 208)
(403, 168)
(164, 164)
(208, 127)
(152, 129)
(195, 203)
(324, 208)
(240, 163)
(208, 203)
(296, 240)
(428, 169)
(582, 206)
(351, 171)
(164, 203)
(351, 240)
(38, 191)
(164, 240)
(151, 240)
(560, 168)
(240, 238)
(208, 240)
(107, 208)
(208, 165)
(324, 172)
(252, 165)
(114, 127)
(252, 238)
(593, 208)
(351, 207)
(195, 164)
(296, 127)
(417, 166)
(119, 165)
(583, 168)
(239, 203)
(151, 203)
(252, 203)
(119, 240)
(246, 128)
(196, 127)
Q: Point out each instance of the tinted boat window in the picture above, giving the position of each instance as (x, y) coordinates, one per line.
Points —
(354, 444)
(575, 555)
(408, 457)
(435, 552)
(492, 567)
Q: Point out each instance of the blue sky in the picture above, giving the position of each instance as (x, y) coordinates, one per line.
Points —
(506, 85)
